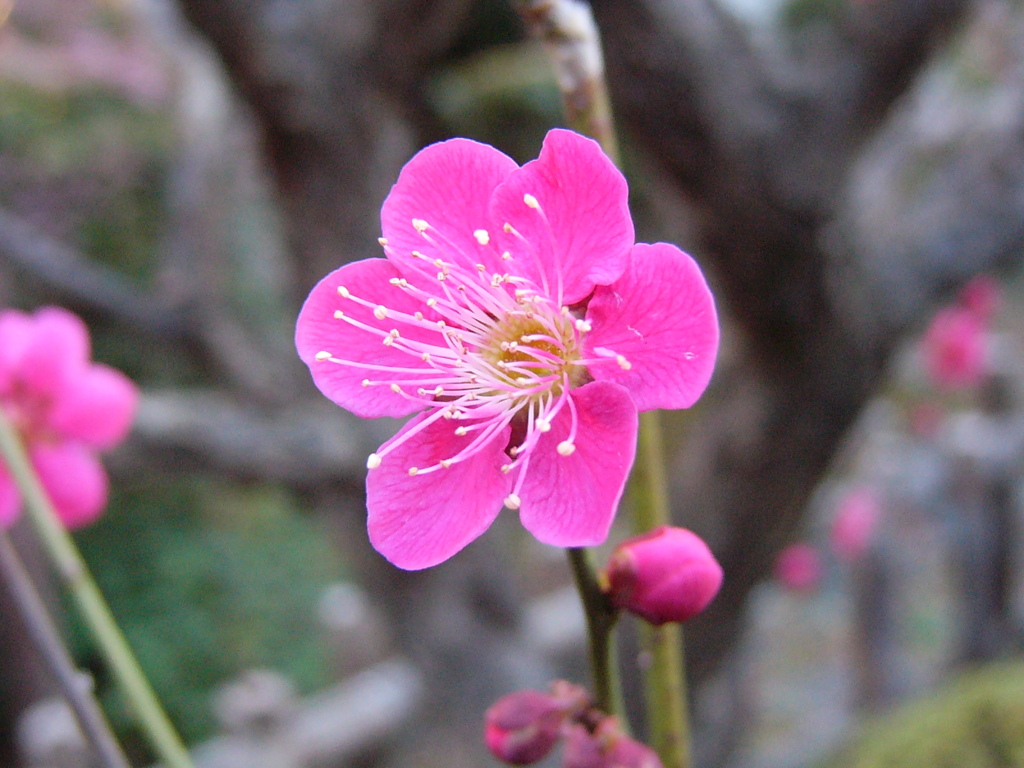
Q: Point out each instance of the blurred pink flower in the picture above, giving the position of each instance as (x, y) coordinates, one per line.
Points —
(980, 296)
(665, 575)
(517, 317)
(955, 348)
(65, 408)
(855, 523)
(798, 567)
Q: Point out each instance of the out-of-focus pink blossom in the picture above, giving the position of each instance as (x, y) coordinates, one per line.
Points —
(981, 297)
(519, 321)
(65, 408)
(798, 567)
(855, 523)
(955, 349)
(523, 727)
(667, 574)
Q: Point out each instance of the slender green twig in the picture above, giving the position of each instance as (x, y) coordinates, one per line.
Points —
(567, 28)
(72, 570)
(667, 716)
(601, 617)
(47, 640)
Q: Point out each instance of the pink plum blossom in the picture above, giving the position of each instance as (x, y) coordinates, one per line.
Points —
(65, 409)
(955, 348)
(855, 524)
(515, 316)
(798, 567)
(981, 297)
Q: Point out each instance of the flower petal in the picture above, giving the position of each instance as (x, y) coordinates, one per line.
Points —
(660, 316)
(582, 232)
(55, 351)
(422, 520)
(74, 480)
(97, 408)
(10, 499)
(570, 501)
(317, 329)
(448, 185)
(15, 331)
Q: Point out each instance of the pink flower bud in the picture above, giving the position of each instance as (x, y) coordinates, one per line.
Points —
(629, 753)
(582, 749)
(606, 747)
(798, 568)
(667, 574)
(522, 727)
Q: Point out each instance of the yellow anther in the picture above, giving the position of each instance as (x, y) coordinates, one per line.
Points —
(413, 471)
(531, 202)
(420, 225)
(343, 292)
(382, 240)
(322, 355)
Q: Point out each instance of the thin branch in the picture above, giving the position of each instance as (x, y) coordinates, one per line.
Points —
(76, 688)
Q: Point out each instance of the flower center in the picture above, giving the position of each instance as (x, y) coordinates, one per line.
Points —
(500, 351)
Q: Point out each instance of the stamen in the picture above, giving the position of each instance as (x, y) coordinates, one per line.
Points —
(383, 241)
(482, 236)
(531, 202)
(343, 292)
(373, 461)
(583, 326)
(512, 501)
(420, 225)
(413, 471)
(565, 448)
(380, 312)
(624, 364)
(322, 355)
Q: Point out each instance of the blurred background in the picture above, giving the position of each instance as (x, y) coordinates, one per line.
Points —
(850, 176)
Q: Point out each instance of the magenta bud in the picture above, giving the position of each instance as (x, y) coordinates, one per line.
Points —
(667, 574)
(582, 749)
(606, 747)
(522, 727)
(629, 753)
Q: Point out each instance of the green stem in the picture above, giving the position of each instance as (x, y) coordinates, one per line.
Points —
(72, 570)
(667, 716)
(601, 617)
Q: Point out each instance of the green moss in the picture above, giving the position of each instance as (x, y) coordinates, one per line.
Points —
(208, 579)
(976, 722)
